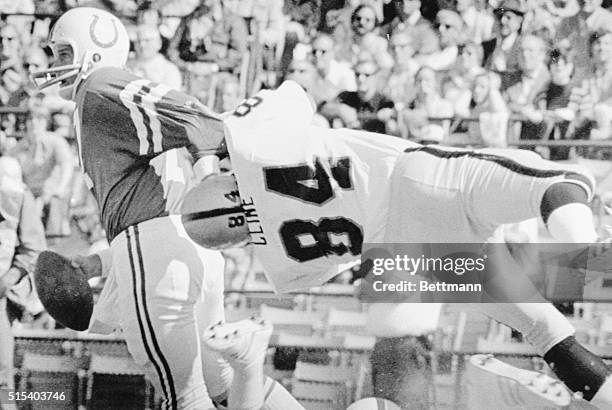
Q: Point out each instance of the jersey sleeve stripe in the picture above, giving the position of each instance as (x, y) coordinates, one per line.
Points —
(127, 96)
(156, 93)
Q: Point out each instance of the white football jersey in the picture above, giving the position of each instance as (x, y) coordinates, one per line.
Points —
(313, 196)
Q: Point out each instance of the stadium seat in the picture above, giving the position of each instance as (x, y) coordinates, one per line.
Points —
(123, 372)
(343, 321)
(292, 321)
(51, 373)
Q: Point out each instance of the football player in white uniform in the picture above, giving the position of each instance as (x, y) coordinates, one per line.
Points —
(313, 196)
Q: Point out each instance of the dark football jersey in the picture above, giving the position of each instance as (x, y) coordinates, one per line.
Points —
(122, 122)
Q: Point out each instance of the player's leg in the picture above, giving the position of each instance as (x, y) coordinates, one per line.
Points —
(553, 337)
(560, 195)
(515, 185)
(461, 196)
(218, 374)
(160, 276)
(476, 191)
(244, 345)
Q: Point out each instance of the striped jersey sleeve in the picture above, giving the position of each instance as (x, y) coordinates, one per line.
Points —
(159, 118)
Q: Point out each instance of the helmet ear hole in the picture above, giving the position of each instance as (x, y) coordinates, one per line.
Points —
(96, 57)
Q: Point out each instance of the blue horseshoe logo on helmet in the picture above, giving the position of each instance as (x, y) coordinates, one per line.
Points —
(92, 34)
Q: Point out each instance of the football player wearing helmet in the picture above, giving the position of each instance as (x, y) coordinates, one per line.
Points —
(123, 123)
(313, 196)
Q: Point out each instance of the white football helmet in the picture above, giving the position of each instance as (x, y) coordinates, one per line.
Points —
(97, 39)
(212, 213)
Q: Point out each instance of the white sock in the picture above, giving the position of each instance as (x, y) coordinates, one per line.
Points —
(541, 324)
(572, 223)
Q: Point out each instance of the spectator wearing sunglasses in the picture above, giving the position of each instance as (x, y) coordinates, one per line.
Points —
(364, 39)
(373, 108)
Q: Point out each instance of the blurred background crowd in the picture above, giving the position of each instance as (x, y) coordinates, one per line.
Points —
(477, 73)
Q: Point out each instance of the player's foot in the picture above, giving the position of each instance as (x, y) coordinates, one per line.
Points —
(240, 343)
(493, 384)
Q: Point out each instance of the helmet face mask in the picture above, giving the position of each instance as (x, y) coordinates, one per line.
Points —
(82, 39)
(63, 71)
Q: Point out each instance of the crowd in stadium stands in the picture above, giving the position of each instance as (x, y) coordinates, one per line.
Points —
(461, 72)
(474, 73)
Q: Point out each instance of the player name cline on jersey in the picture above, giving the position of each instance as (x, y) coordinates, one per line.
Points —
(256, 231)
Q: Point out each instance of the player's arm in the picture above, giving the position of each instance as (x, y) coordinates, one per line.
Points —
(159, 118)
(200, 130)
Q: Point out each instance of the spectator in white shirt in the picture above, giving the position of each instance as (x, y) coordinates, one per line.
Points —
(338, 73)
(150, 63)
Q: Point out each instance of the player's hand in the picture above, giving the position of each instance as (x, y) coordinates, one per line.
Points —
(90, 265)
